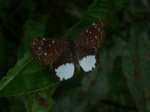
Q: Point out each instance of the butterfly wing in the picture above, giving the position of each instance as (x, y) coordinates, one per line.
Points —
(46, 50)
(93, 36)
(63, 67)
(87, 43)
(88, 58)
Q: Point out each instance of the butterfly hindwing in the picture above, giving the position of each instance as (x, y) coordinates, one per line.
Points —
(46, 50)
(92, 36)
(64, 67)
(88, 58)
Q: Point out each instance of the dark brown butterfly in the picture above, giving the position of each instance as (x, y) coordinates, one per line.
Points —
(64, 56)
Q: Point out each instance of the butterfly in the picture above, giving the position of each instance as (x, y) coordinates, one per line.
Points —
(63, 56)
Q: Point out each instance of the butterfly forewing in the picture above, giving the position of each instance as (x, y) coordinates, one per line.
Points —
(92, 36)
(46, 50)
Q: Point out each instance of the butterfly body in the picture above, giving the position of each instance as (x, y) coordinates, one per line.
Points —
(64, 56)
(73, 50)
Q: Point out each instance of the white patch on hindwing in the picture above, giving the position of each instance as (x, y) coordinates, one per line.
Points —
(65, 71)
(88, 63)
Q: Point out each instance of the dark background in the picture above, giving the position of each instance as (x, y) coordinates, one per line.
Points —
(120, 84)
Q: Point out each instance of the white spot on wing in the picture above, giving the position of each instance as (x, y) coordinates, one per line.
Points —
(45, 53)
(88, 62)
(65, 71)
(93, 24)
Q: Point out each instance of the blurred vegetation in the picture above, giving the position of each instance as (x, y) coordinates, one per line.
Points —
(120, 84)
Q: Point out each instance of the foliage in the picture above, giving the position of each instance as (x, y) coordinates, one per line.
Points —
(120, 83)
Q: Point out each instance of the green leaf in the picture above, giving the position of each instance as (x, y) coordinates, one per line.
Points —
(27, 75)
(24, 77)
(39, 101)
